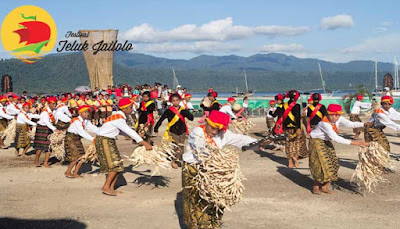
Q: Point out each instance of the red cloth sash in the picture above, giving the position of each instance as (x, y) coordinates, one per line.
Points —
(313, 113)
(279, 123)
(177, 113)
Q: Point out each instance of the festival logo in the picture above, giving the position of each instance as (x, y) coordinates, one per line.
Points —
(28, 32)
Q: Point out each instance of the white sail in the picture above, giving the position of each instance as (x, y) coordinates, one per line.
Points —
(245, 80)
(175, 79)
(322, 78)
(376, 75)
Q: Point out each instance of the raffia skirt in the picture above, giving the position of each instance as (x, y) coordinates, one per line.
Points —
(376, 135)
(295, 146)
(3, 124)
(108, 155)
(356, 118)
(22, 139)
(42, 141)
(73, 147)
(193, 205)
(324, 164)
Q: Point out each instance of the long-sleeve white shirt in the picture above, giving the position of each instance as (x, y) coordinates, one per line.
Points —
(273, 109)
(324, 130)
(23, 118)
(62, 113)
(45, 120)
(12, 109)
(79, 127)
(393, 114)
(3, 113)
(382, 119)
(227, 109)
(196, 141)
(358, 105)
(112, 129)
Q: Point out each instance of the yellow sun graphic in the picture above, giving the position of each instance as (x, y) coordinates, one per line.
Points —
(28, 32)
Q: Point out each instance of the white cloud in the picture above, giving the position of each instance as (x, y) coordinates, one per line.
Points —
(282, 48)
(193, 47)
(338, 21)
(218, 30)
(382, 44)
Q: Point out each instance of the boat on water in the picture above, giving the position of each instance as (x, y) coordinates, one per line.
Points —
(247, 93)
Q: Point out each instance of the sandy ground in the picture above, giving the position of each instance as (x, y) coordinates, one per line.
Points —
(275, 196)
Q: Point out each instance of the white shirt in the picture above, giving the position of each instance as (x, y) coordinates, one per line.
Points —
(112, 129)
(393, 114)
(357, 106)
(62, 113)
(227, 109)
(188, 104)
(245, 104)
(45, 120)
(12, 109)
(79, 126)
(383, 119)
(270, 109)
(196, 140)
(4, 114)
(324, 130)
(22, 119)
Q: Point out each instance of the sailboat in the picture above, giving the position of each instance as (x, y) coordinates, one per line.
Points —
(322, 91)
(246, 93)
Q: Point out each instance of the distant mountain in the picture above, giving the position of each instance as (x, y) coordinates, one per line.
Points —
(265, 72)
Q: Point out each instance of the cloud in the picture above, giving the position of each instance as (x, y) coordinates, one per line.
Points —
(338, 21)
(282, 48)
(382, 44)
(194, 47)
(218, 30)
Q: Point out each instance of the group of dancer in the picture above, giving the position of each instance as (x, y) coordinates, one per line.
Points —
(317, 123)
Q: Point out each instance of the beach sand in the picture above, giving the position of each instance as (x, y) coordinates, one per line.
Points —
(275, 196)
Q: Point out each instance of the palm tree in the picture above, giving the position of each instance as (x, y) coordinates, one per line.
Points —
(347, 99)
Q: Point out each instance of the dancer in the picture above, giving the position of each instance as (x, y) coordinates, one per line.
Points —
(62, 115)
(227, 108)
(73, 144)
(355, 112)
(315, 112)
(22, 139)
(146, 117)
(106, 146)
(4, 118)
(270, 120)
(324, 164)
(176, 130)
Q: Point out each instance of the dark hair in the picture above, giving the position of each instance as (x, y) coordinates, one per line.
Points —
(175, 95)
(146, 93)
(316, 96)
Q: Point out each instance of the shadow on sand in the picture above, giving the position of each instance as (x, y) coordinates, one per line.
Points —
(11, 223)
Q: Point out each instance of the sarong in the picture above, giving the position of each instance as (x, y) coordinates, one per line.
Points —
(356, 118)
(179, 140)
(295, 146)
(270, 124)
(324, 164)
(3, 124)
(42, 141)
(108, 154)
(372, 134)
(73, 147)
(22, 139)
(60, 125)
(193, 205)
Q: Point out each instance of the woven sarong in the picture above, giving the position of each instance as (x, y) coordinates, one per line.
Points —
(60, 125)
(22, 139)
(179, 140)
(377, 135)
(270, 124)
(3, 124)
(324, 164)
(42, 141)
(193, 205)
(73, 147)
(295, 146)
(108, 154)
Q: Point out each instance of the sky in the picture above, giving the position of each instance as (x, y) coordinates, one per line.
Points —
(337, 31)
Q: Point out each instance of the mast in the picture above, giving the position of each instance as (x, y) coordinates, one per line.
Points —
(376, 75)
(174, 79)
(245, 80)
(322, 78)
(396, 72)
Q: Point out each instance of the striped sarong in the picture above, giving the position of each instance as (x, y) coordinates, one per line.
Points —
(42, 141)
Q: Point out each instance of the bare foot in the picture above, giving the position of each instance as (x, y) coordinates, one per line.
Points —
(77, 176)
(69, 175)
(316, 191)
(37, 165)
(25, 156)
(118, 192)
(47, 166)
(296, 163)
(326, 191)
(174, 165)
(109, 192)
